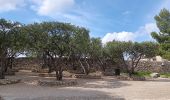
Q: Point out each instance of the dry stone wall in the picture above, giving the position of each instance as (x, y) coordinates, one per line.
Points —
(154, 66)
(151, 66)
(35, 63)
(27, 63)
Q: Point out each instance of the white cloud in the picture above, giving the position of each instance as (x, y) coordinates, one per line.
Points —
(148, 28)
(51, 7)
(119, 36)
(65, 11)
(142, 34)
(8, 5)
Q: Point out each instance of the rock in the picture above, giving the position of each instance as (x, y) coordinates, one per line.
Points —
(155, 75)
(138, 78)
(9, 81)
(57, 83)
(86, 76)
(67, 74)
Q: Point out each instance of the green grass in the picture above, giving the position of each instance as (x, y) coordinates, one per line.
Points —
(142, 74)
(165, 75)
(147, 74)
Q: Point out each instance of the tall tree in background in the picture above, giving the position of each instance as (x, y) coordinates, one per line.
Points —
(9, 43)
(97, 53)
(114, 51)
(128, 54)
(163, 37)
(136, 51)
(51, 39)
(81, 47)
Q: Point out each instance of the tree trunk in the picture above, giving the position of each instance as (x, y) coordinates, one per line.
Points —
(83, 67)
(58, 69)
(59, 74)
(8, 63)
(103, 66)
(88, 67)
(2, 68)
(74, 66)
(125, 65)
(2, 73)
(11, 62)
(45, 60)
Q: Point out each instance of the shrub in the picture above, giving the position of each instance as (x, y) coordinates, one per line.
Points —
(142, 74)
(165, 75)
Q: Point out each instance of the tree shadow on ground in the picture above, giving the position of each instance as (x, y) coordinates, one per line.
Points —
(101, 83)
(87, 89)
(60, 94)
(30, 77)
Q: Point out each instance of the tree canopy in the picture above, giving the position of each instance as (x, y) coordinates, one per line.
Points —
(163, 37)
(57, 43)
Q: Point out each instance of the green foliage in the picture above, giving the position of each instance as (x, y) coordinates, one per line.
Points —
(128, 54)
(81, 42)
(163, 37)
(96, 48)
(115, 50)
(10, 44)
(57, 40)
(165, 75)
(142, 74)
(9, 35)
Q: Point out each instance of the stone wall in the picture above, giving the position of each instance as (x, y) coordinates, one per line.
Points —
(27, 63)
(151, 66)
(34, 63)
(154, 66)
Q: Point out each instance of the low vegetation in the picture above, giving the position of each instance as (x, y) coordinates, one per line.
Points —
(142, 74)
(165, 75)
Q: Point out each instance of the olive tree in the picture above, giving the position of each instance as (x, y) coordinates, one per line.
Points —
(129, 54)
(52, 39)
(136, 51)
(80, 48)
(114, 51)
(97, 53)
(10, 43)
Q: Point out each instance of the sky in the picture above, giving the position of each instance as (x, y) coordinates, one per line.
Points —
(121, 20)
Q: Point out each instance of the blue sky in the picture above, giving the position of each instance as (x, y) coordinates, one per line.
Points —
(109, 19)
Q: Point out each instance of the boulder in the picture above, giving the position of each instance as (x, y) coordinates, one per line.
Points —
(155, 75)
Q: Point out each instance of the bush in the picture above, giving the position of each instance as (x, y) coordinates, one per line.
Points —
(165, 75)
(142, 74)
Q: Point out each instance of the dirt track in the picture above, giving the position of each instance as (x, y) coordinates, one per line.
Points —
(98, 89)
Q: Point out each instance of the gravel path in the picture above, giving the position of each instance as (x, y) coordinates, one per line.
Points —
(98, 89)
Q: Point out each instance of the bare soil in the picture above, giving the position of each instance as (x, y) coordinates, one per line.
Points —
(107, 88)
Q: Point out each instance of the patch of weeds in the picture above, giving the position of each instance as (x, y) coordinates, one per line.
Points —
(165, 75)
(142, 74)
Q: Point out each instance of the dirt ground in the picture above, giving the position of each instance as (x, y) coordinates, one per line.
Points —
(107, 88)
